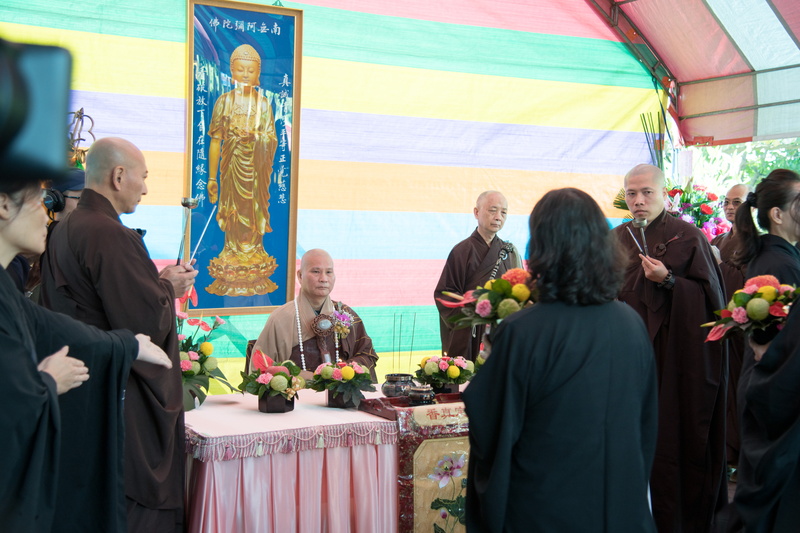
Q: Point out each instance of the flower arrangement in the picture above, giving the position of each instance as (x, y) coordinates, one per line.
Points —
(342, 379)
(438, 372)
(271, 379)
(695, 205)
(198, 366)
(493, 302)
(762, 304)
(452, 510)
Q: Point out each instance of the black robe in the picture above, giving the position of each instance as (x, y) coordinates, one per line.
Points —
(688, 476)
(733, 277)
(98, 271)
(35, 476)
(769, 500)
(779, 258)
(469, 265)
(563, 423)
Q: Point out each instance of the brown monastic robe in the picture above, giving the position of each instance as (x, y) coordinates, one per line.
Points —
(279, 338)
(98, 271)
(469, 265)
(687, 481)
(733, 277)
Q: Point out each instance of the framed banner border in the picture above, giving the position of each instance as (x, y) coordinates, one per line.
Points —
(291, 229)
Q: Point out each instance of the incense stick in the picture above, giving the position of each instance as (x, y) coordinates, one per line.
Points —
(196, 246)
(634, 239)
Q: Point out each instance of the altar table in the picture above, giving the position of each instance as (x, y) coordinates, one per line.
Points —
(315, 469)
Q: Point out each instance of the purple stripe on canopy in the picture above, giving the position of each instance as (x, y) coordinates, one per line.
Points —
(152, 123)
(340, 136)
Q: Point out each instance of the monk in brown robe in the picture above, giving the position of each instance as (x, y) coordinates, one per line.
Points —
(676, 286)
(471, 263)
(328, 329)
(98, 271)
(733, 276)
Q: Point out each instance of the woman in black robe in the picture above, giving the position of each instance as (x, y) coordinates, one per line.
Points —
(759, 486)
(563, 415)
(34, 343)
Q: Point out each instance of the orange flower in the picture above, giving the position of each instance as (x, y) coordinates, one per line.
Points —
(760, 281)
(516, 275)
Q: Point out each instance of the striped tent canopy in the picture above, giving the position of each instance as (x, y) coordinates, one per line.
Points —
(732, 67)
(409, 111)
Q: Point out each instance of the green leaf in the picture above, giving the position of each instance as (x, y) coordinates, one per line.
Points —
(741, 299)
(437, 529)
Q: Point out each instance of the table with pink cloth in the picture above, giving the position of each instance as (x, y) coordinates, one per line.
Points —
(315, 469)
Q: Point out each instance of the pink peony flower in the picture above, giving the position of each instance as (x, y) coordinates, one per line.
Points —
(750, 289)
(186, 365)
(218, 320)
(358, 368)
(460, 362)
(264, 378)
(181, 337)
(443, 366)
(337, 374)
(182, 315)
(740, 315)
(194, 356)
(484, 308)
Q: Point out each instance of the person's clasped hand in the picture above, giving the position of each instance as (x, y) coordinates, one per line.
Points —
(181, 276)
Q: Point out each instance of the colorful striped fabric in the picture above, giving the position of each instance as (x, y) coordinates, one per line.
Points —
(409, 111)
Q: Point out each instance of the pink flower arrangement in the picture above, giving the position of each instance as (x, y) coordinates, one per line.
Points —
(337, 374)
(762, 303)
(484, 308)
(186, 365)
(345, 379)
(439, 371)
(196, 347)
(264, 378)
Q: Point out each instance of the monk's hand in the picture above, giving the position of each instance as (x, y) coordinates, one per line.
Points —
(150, 353)
(213, 190)
(654, 270)
(758, 349)
(181, 276)
(67, 372)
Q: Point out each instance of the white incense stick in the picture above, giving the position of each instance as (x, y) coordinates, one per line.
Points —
(196, 246)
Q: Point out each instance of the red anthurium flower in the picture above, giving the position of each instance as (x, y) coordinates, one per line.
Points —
(261, 360)
(717, 332)
(190, 295)
(725, 313)
(462, 300)
(776, 309)
(706, 209)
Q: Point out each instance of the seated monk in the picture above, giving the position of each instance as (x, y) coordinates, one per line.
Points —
(330, 331)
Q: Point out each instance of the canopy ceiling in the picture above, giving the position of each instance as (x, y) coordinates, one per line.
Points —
(731, 67)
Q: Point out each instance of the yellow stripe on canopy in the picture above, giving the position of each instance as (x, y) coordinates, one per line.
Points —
(419, 188)
(367, 88)
(122, 65)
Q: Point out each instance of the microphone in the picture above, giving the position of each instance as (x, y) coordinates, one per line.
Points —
(641, 223)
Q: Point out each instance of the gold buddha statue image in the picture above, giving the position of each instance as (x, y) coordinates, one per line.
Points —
(242, 148)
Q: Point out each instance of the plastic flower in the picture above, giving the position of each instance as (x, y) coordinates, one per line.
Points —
(181, 337)
(484, 308)
(460, 362)
(443, 365)
(516, 276)
(194, 356)
(186, 365)
(261, 360)
(218, 320)
(750, 289)
(264, 378)
(182, 315)
(319, 368)
(740, 315)
(777, 309)
(760, 281)
(337, 374)
(358, 368)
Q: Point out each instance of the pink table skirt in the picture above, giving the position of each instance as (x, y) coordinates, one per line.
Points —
(316, 469)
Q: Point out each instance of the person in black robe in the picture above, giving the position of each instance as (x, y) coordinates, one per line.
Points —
(733, 276)
(471, 263)
(675, 287)
(777, 202)
(98, 271)
(30, 422)
(563, 414)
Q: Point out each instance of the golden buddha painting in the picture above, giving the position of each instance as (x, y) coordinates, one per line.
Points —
(244, 69)
(240, 154)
